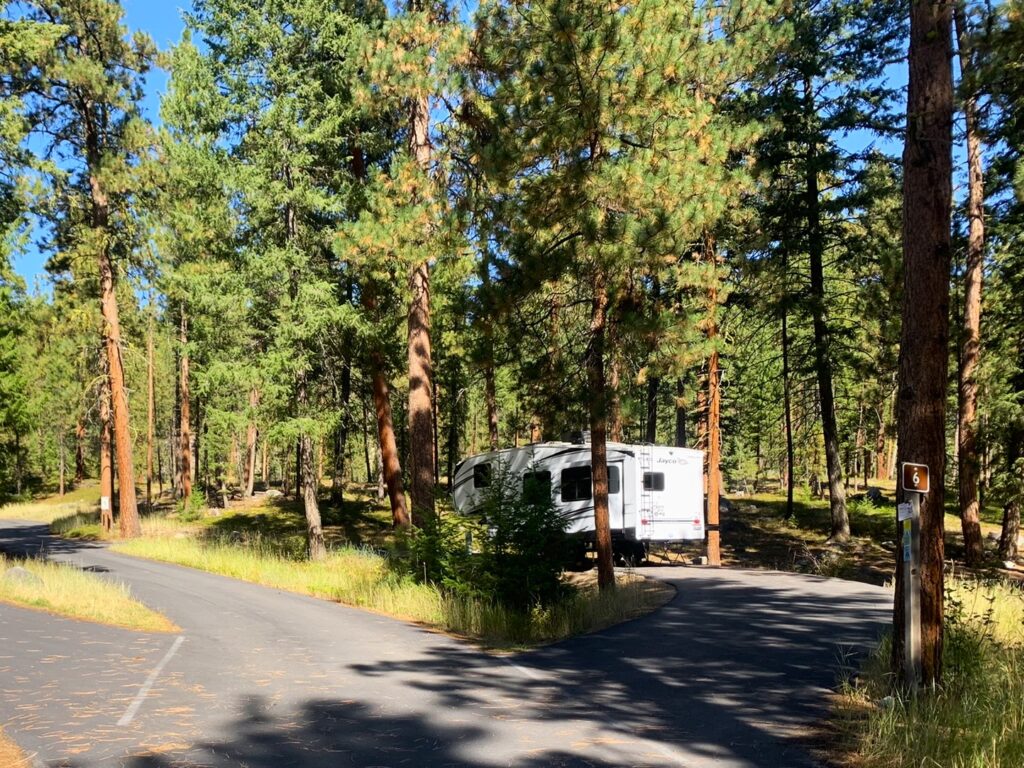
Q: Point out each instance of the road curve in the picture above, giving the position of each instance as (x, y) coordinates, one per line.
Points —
(730, 673)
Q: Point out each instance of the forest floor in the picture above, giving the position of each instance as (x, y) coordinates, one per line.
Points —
(756, 533)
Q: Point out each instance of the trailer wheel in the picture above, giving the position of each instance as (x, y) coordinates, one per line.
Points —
(634, 554)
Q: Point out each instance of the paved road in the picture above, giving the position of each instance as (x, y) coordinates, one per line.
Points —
(730, 674)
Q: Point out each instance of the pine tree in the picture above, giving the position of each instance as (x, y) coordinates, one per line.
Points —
(573, 132)
(927, 196)
(84, 93)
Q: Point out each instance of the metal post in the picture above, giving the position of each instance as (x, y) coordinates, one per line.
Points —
(912, 593)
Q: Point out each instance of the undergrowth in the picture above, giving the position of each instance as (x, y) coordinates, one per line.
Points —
(975, 719)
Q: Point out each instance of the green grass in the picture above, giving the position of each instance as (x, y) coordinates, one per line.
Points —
(360, 577)
(68, 591)
(975, 719)
(50, 508)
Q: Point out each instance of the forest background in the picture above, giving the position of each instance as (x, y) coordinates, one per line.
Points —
(364, 240)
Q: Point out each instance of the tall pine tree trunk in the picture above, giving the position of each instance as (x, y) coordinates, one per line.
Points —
(62, 462)
(598, 432)
(421, 430)
(184, 409)
(338, 482)
(106, 456)
(924, 338)
(840, 529)
(128, 517)
(491, 399)
(970, 339)
(309, 484)
(150, 416)
(680, 441)
(653, 387)
(390, 467)
(714, 410)
(251, 439)
(80, 449)
(787, 406)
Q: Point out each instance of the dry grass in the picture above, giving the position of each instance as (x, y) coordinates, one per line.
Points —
(68, 591)
(11, 755)
(80, 501)
(363, 578)
(974, 720)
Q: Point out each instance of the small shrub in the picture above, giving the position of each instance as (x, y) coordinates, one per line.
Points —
(513, 555)
(191, 509)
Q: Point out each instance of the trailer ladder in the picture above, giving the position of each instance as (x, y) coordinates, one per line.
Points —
(646, 511)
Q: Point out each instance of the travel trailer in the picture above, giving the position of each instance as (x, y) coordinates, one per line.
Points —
(655, 492)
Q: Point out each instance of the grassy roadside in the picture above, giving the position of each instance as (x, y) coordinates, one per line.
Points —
(11, 755)
(82, 500)
(67, 591)
(362, 578)
(976, 718)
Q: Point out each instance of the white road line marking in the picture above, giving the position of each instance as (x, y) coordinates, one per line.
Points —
(133, 708)
(528, 672)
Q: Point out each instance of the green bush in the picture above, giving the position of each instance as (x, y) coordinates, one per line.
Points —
(513, 555)
(191, 509)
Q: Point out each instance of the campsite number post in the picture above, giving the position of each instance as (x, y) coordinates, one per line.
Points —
(916, 483)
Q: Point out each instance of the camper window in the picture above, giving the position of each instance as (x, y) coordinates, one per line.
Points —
(654, 481)
(540, 481)
(576, 483)
(613, 479)
(481, 475)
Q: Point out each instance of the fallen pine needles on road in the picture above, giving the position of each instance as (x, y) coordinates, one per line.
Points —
(67, 591)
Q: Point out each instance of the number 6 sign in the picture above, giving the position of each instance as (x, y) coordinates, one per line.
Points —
(916, 478)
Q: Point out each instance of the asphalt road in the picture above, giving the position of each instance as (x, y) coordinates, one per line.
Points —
(731, 673)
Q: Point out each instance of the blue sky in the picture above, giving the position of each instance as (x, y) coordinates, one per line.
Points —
(162, 20)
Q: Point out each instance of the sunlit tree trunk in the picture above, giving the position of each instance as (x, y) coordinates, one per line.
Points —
(251, 439)
(924, 338)
(106, 457)
(184, 409)
(421, 376)
(128, 517)
(970, 339)
(598, 432)
(150, 416)
(840, 521)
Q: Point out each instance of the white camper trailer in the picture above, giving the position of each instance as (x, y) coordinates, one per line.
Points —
(655, 492)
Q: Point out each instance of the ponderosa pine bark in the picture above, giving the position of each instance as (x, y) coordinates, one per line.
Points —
(491, 400)
(680, 430)
(106, 457)
(970, 337)
(184, 410)
(840, 521)
(421, 376)
(251, 439)
(787, 407)
(714, 412)
(150, 416)
(599, 432)
(653, 388)
(390, 467)
(924, 337)
(79, 449)
(310, 485)
(128, 512)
